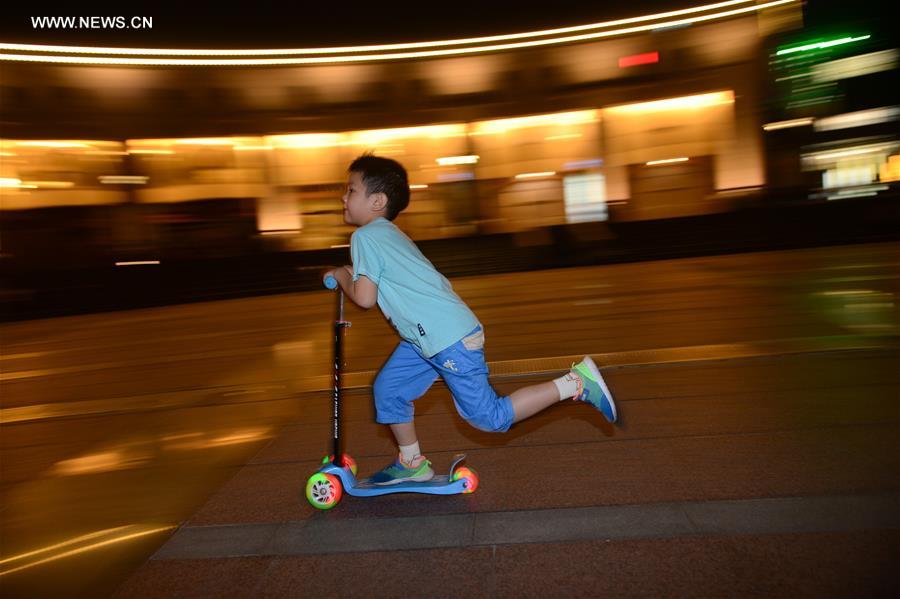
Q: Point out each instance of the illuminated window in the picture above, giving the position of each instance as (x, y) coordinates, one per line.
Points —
(585, 198)
(849, 166)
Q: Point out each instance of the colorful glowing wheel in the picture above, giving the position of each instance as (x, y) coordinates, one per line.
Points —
(323, 491)
(470, 477)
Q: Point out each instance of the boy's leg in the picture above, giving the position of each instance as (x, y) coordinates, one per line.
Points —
(530, 400)
(583, 383)
(463, 367)
(405, 377)
(404, 433)
(465, 371)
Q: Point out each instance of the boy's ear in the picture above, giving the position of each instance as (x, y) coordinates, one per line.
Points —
(379, 201)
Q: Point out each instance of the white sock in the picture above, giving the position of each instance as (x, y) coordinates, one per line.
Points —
(409, 452)
(567, 385)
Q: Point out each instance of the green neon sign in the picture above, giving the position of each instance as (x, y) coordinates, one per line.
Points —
(821, 45)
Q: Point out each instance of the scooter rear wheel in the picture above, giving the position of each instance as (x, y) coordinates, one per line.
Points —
(323, 491)
(470, 477)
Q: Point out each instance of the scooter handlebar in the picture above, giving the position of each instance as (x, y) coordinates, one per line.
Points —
(330, 282)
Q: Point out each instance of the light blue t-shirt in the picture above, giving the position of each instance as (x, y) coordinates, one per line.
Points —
(415, 298)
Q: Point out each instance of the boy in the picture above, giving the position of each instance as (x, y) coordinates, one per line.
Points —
(440, 334)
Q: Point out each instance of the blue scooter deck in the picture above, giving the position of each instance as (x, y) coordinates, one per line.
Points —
(438, 480)
(440, 484)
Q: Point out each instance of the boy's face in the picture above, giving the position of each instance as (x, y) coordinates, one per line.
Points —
(359, 207)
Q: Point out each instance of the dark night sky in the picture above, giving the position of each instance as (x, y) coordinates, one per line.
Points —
(259, 24)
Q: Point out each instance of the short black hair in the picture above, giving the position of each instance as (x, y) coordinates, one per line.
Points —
(387, 176)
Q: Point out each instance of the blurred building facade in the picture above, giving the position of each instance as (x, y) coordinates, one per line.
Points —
(141, 158)
(831, 110)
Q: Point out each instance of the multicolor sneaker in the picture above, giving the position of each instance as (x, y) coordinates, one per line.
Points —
(400, 472)
(592, 388)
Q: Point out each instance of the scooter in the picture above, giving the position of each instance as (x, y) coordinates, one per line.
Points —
(337, 475)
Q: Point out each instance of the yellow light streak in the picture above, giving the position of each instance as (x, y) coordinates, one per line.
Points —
(454, 160)
(19, 184)
(859, 118)
(208, 141)
(123, 179)
(495, 126)
(848, 292)
(52, 144)
(369, 48)
(88, 464)
(850, 152)
(788, 124)
(388, 56)
(241, 436)
(49, 184)
(80, 550)
(681, 103)
(305, 140)
(533, 175)
(378, 136)
(61, 545)
(558, 137)
(667, 161)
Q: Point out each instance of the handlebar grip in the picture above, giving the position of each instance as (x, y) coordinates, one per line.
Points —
(331, 282)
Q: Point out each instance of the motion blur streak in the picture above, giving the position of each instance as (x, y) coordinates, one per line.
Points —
(391, 56)
(115, 538)
(282, 52)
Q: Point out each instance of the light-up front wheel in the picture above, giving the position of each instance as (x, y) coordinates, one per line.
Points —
(323, 491)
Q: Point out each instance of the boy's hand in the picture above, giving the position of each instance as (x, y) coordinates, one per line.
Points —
(363, 292)
(333, 272)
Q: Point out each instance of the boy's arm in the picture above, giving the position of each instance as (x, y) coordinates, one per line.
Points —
(363, 292)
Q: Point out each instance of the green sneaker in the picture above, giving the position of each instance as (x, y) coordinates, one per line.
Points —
(400, 472)
(592, 388)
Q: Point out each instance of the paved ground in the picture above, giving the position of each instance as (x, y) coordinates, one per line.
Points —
(757, 455)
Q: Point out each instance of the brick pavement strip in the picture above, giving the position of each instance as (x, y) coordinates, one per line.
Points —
(325, 535)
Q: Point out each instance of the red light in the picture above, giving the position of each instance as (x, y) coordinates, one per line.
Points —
(636, 59)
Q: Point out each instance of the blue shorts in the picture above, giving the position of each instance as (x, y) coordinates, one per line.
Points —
(408, 374)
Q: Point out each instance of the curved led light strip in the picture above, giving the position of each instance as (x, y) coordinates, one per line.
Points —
(379, 57)
(348, 49)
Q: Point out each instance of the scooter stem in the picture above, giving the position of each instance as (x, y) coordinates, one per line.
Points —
(339, 325)
(336, 396)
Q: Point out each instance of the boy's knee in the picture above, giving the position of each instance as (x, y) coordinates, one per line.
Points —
(389, 407)
(490, 426)
(497, 420)
(381, 387)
